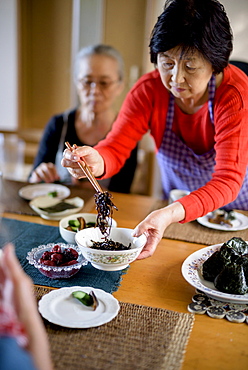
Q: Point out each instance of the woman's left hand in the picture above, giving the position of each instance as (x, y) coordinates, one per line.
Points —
(154, 225)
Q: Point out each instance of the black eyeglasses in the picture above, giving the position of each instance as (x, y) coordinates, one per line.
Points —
(88, 84)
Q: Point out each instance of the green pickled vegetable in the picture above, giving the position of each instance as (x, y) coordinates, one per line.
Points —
(85, 298)
(53, 194)
(74, 223)
(73, 228)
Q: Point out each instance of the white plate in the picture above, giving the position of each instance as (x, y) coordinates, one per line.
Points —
(47, 201)
(191, 273)
(30, 192)
(59, 307)
(240, 223)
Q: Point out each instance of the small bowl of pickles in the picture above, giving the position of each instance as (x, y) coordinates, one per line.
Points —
(70, 225)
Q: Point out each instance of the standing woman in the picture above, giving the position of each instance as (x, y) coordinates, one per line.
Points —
(99, 80)
(196, 107)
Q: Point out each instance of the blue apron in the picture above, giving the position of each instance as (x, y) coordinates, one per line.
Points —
(182, 168)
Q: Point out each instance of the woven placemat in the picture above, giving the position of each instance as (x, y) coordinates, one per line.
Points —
(193, 232)
(140, 337)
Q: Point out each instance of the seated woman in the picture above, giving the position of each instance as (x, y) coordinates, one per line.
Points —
(99, 79)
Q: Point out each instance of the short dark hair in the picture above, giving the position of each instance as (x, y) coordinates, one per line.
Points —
(200, 25)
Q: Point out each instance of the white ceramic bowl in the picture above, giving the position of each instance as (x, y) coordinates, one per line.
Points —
(69, 236)
(110, 260)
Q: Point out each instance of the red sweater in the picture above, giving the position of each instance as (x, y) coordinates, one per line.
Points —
(145, 108)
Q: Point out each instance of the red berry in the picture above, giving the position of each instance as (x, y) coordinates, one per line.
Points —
(57, 258)
(68, 263)
(46, 255)
(56, 248)
(74, 253)
(49, 263)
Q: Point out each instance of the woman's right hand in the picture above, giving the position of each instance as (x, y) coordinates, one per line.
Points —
(46, 172)
(91, 156)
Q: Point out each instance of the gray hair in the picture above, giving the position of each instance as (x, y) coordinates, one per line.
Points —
(100, 49)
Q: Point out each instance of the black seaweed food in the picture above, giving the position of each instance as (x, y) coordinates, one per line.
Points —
(110, 245)
(231, 279)
(104, 207)
(212, 266)
(228, 267)
(245, 265)
(59, 207)
(238, 245)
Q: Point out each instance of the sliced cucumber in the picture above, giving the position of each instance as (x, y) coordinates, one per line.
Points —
(83, 297)
(74, 223)
(53, 194)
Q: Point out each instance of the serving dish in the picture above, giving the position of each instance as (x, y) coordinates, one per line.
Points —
(69, 236)
(105, 259)
(59, 307)
(47, 201)
(240, 222)
(191, 272)
(55, 272)
(30, 192)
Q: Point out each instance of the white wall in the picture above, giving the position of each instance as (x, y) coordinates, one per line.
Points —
(237, 11)
(87, 29)
(8, 65)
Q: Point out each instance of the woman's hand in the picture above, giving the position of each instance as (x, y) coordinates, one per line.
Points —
(46, 172)
(154, 225)
(16, 293)
(91, 156)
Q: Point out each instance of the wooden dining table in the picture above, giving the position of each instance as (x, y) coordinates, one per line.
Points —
(158, 282)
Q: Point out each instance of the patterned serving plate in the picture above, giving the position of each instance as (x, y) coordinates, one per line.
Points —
(191, 271)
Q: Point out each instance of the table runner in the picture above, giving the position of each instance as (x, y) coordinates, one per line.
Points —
(13, 203)
(28, 235)
(140, 337)
(193, 232)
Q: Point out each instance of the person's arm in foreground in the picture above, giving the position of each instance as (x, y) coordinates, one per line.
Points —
(16, 294)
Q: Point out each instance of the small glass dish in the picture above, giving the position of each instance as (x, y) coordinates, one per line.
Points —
(56, 272)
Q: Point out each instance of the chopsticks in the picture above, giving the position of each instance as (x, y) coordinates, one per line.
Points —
(86, 170)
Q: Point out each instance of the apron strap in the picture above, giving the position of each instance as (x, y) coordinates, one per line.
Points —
(211, 93)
